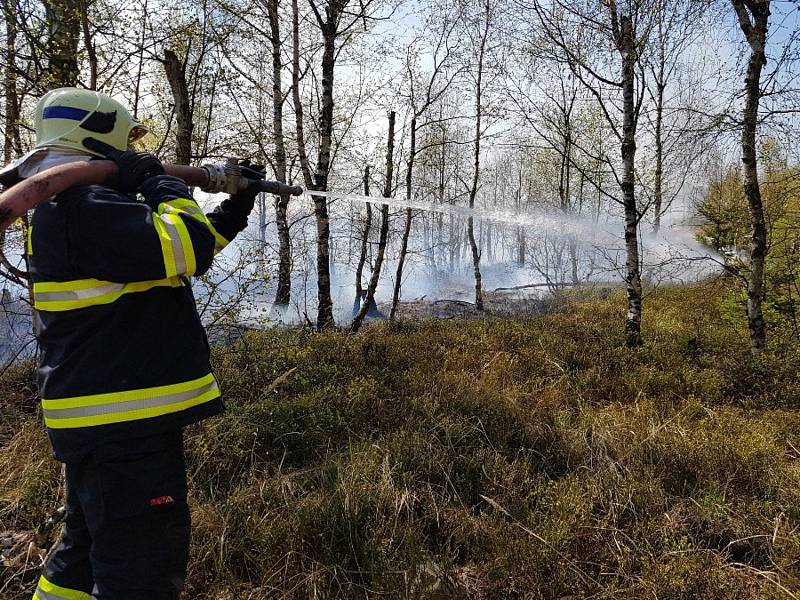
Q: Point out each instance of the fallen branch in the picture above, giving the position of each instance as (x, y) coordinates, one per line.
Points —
(462, 302)
(281, 379)
(531, 285)
(555, 285)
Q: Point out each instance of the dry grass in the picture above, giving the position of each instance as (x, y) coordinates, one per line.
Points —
(506, 459)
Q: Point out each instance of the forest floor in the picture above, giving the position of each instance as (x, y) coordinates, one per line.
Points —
(504, 458)
(503, 303)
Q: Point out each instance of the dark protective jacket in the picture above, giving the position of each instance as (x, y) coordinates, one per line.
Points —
(123, 351)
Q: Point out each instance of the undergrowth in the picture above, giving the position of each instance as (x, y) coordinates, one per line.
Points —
(497, 459)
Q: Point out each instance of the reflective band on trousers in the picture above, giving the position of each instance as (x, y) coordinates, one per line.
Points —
(54, 296)
(46, 590)
(130, 405)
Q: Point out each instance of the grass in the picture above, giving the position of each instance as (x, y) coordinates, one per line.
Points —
(498, 459)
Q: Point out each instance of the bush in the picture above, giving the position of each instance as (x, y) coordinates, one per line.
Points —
(533, 458)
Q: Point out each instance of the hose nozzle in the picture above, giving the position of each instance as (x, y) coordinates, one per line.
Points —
(228, 179)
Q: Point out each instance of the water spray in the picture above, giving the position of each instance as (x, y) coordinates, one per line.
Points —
(565, 225)
(543, 220)
(670, 244)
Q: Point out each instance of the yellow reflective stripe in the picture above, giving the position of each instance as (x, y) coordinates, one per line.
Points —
(68, 286)
(190, 207)
(29, 241)
(219, 241)
(102, 409)
(46, 590)
(131, 415)
(96, 399)
(182, 205)
(167, 246)
(56, 296)
(176, 243)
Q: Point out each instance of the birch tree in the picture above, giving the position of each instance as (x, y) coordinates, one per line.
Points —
(283, 292)
(422, 95)
(753, 18)
(384, 231)
(678, 23)
(482, 42)
(335, 20)
(614, 81)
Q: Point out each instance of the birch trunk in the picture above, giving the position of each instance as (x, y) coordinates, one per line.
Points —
(473, 192)
(283, 293)
(325, 303)
(407, 229)
(633, 280)
(384, 233)
(756, 34)
(362, 258)
(658, 183)
(302, 153)
(520, 232)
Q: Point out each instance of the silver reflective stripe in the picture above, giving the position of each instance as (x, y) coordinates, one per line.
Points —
(194, 210)
(177, 247)
(86, 294)
(127, 406)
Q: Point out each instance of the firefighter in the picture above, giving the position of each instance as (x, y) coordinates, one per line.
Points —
(124, 362)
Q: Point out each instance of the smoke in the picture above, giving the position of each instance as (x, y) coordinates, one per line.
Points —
(559, 249)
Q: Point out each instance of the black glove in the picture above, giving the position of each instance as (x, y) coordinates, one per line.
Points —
(134, 167)
(244, 199)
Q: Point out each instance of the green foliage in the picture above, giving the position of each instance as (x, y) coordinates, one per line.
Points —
(724, 207)
(503, 459)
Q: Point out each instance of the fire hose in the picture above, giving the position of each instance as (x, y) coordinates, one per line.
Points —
(40, 188)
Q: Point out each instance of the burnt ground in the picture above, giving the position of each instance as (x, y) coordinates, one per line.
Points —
(502, 303)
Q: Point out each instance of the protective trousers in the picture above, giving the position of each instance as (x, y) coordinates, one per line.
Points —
(127, 525)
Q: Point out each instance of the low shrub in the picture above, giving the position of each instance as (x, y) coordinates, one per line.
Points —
(534, 458)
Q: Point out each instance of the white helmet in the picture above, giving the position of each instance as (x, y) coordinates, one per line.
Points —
(65, 116)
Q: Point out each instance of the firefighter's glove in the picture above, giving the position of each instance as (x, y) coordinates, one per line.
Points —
(245, 198)
(134, 167)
